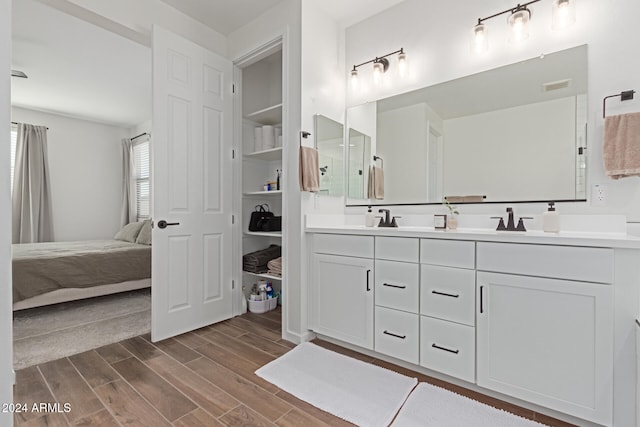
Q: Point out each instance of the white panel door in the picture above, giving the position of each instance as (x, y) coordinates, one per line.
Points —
(192, 181)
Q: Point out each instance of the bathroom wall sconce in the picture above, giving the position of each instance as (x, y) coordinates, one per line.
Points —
(563, 15)
(380, 66)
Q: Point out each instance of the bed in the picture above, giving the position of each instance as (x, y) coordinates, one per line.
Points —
(53, 272)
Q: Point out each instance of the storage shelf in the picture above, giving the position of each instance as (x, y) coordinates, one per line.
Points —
(263, 193)
(269, 155)
(263, 275)
(264, 233)
(267, 116)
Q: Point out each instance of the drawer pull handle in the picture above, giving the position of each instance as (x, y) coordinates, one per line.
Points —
(394, 335)
(481, 299)
(394, 286)
(445, 349)
(445, 294)
(368, 284)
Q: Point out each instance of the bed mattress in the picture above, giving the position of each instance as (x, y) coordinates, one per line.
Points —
(39, 268)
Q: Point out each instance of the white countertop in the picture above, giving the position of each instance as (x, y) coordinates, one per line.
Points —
(568, 238)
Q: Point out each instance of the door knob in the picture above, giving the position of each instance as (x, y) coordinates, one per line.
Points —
(162, 224)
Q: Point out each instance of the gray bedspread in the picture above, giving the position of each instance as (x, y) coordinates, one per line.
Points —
(39, 268)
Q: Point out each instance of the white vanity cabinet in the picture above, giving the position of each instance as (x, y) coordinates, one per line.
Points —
(447, 307)
(341, 295)
(543, 339)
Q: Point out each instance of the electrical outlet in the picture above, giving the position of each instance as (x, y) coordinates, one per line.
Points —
(599, 195)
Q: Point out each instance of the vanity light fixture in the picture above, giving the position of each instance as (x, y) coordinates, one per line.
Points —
(519, 17)
(563, 14)
(380, 66)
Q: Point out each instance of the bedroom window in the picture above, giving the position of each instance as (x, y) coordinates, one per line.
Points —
(14, 140)
(143, 179)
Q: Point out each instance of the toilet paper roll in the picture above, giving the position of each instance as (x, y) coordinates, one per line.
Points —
(278, 131)
(268, 137)
(279, 141)
(257, 142)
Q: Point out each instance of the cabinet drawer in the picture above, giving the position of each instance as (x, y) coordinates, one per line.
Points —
(448, 347)
(397, 249)
(451, 253)
(397, 334)
(562, 262)
(339, 244)
(397, 285)
(448, 293)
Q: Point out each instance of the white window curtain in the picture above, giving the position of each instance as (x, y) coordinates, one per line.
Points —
(31, 195)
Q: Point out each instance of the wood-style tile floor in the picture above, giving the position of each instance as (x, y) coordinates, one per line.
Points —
(203, 378)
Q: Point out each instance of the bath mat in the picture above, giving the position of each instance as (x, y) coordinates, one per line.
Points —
(358, 392)
(433, 406)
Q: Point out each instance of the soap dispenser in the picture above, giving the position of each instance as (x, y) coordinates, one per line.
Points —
(551, 219)
(369, 218)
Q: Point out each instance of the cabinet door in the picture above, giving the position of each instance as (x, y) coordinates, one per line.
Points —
(342, 298)
(547, 341)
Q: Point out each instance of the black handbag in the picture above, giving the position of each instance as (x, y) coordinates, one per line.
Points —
(273, 223)
(260, 214)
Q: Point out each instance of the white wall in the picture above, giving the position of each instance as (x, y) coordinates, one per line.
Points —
(526, 153)
(437, 37)
(6, 336)
(85, 164)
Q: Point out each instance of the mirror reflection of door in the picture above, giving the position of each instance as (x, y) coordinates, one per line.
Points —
(359, 160)
(434, 166)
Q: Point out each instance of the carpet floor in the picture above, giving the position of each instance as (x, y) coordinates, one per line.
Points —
(48, 333)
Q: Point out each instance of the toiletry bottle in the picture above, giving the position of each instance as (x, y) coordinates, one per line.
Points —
(551, 219)
(369, 218)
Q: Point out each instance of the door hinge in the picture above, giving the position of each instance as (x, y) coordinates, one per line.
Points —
(233, 219)
(233, 154)
(233, 88)
(233, 284)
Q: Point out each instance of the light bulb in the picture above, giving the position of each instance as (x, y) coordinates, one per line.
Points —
(480, 42)
(402, 64)
(354, 79)
(563, 14)
(519, 23)
(378, 69)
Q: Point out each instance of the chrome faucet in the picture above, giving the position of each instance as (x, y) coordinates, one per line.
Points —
(387, 220)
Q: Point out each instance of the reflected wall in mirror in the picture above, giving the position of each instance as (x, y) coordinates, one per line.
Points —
(330, 144)
(514, 133)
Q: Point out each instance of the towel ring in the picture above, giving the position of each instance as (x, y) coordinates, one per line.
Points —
(624, 96)
(375, 158)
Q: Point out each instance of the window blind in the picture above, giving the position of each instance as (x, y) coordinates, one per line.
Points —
(142, 160)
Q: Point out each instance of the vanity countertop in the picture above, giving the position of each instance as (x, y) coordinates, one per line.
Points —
(593, 239)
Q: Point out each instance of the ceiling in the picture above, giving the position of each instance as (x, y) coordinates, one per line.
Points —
(225, 16)
(90, 73)
(84, 72)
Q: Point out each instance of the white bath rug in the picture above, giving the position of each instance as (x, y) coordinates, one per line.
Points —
(433, 406)
(358, 392)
